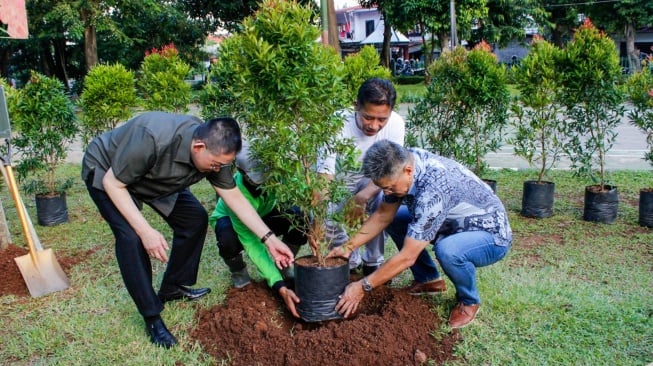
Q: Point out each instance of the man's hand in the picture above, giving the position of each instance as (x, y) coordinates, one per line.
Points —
(350, 299)
(342, 251)
(290, 298)
(155, 245)
(280, 253)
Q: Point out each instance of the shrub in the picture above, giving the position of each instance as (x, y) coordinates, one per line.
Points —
(361, 66)
(464, 110)
(162, 83)
(539, 137)
(592, 96)
(640, 92)
(107, 99)
(45, 120)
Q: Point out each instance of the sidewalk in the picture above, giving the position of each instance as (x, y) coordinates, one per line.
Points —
(626, 154)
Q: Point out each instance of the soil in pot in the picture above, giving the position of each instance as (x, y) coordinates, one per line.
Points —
(646, 207)
(601, 205)
(318, 287)
(537, 199)
(51, 209)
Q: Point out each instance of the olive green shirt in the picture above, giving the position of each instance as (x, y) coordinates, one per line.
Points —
(151, 154)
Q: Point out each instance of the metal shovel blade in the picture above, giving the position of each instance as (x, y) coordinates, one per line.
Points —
(42, 273)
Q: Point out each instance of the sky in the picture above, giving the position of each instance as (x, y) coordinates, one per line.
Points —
(339, 4)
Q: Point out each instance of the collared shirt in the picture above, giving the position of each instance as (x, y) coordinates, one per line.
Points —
(447, 198)
(151, 154)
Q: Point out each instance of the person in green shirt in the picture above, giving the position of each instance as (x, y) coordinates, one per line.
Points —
(233, 236)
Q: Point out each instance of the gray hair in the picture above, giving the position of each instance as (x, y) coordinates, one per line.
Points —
(384, 159)
(377, 91)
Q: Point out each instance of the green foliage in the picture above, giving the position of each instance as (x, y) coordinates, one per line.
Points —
(45, 121)
(162, 83)
(107, 99)
(640, 92)
(464, 110)
(538, 134)
(361, 66)
(409, 80)
(286, 88)
(592, 96)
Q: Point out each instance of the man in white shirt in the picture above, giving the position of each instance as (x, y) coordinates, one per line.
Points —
(371, 120)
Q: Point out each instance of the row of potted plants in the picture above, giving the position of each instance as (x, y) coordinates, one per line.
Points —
(570, 102)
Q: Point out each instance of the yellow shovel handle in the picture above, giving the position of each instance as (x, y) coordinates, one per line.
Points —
(20, 208)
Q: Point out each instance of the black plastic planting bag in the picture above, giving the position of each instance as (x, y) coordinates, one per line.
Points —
(646, 208)
(537, 199)
(601, 206)
(51, 211)
(318, 289)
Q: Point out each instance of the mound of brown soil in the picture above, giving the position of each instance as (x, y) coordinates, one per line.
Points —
(252, 327)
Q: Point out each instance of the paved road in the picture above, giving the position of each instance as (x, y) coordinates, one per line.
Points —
(627, 152)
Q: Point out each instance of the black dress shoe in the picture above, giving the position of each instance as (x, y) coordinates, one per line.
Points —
(160, 335)
(172, 293)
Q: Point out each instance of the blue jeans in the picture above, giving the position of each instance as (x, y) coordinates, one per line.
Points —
(459, 256)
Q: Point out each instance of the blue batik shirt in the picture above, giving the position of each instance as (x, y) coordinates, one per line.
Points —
(447, 198)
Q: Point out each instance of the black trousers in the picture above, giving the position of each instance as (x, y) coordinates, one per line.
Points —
(188, 220)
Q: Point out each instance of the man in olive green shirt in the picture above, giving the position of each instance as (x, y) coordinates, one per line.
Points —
(153, 159)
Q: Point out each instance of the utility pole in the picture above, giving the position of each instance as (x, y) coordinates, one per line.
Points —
(324, 13)
(454, 36)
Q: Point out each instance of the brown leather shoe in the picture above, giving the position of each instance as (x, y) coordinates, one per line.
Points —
(462, 315)
(427, 288)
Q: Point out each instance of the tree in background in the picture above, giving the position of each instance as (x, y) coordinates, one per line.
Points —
(507, 21)
(623, 18)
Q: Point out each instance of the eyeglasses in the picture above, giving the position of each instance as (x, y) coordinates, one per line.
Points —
(216, 167)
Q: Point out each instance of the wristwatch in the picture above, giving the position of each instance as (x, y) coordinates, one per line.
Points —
(366, 285)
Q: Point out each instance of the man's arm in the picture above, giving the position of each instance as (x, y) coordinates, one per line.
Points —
(405, 258)
(235, 200)
(371, 228)
(153, 242)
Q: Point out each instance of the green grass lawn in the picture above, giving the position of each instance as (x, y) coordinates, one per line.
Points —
(570, 292)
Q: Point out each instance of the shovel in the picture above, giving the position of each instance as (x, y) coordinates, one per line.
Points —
(40, 269)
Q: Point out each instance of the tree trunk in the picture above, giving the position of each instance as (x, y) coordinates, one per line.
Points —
(334, 41)
(387, 37)
(633, 53)
(90, 41)
(60, 62)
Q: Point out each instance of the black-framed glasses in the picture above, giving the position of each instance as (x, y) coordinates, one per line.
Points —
(216, 167)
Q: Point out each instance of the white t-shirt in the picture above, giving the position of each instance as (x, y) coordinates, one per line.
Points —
(394, 131)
